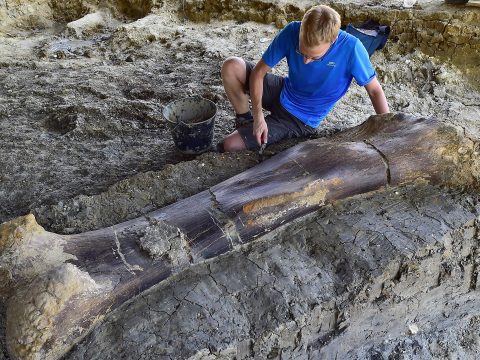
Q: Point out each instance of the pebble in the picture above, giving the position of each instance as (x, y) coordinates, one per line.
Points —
(42, 54)
(413, 329)
(462, 150)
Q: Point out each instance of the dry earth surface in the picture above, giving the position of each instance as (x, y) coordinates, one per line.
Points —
(84, 146)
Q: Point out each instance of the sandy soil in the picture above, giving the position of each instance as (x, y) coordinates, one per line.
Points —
(84, 146)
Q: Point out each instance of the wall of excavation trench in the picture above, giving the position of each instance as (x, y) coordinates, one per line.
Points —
(84, 147)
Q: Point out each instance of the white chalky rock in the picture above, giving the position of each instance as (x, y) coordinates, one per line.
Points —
(89, 23)
(413, 329)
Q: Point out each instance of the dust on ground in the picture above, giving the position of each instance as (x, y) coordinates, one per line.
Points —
(84, 146)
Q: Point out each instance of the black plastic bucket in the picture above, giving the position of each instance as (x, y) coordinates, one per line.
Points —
(191, 121)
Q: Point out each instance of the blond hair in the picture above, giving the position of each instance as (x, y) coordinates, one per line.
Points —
(320, 24)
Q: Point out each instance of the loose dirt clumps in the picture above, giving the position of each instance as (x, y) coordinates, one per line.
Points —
(134, 9)
(70, 10)
(161, 239)
(140, 194)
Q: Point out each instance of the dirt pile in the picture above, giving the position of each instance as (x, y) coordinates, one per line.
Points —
(138, 195)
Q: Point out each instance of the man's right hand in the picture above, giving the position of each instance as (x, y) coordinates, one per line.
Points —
(260, 129)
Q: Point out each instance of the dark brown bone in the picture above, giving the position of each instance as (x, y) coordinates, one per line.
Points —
(60, 286)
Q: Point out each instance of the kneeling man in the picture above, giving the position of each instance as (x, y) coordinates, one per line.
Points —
(322, 61)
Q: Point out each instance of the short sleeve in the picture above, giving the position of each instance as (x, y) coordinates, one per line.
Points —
(280, 46)
(362, 69)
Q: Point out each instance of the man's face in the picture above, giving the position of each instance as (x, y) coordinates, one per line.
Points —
(314, 53)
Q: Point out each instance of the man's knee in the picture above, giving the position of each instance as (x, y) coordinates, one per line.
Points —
(234, 142)
(233, 67)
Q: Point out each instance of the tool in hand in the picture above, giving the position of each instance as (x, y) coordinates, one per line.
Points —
(261, 151)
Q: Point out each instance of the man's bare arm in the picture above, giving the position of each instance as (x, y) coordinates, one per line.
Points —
(260, 129)
(377, 96)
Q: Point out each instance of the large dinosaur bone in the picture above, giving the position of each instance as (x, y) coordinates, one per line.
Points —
(58, 287)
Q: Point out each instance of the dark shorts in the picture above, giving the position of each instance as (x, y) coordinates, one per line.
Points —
(281, 124)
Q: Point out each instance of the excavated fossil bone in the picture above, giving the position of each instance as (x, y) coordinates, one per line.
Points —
(59, 287)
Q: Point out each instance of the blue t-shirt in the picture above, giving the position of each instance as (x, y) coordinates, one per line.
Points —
(311, 90)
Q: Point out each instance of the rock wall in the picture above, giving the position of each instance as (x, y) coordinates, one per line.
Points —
(26, 14)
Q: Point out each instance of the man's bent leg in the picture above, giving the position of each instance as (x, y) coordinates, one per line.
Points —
(235, 73)
(234, 77)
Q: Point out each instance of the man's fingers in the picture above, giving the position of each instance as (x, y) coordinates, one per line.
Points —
(258, 137)
(265, 136)
(260, 133)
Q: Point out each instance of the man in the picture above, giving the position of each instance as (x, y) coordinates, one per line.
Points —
(322, 61)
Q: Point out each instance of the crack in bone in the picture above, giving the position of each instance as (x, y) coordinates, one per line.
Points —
(131, 268)
(223, 222)
(384, 159)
